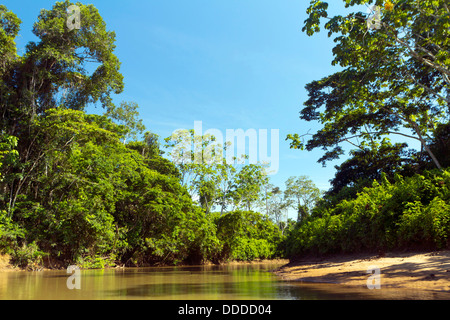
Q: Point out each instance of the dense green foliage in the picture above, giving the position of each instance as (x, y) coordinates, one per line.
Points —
(97, 201)
(247, 235)
(410, 213)
(393, 80)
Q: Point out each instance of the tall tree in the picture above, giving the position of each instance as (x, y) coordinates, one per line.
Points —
(249, 181)
(9, 29)
(208, 175)
(278, 206)
(196, 158)
(367, 164)
(303, 194)
(394, 80)
(225, 183)
(127, 115)
(54, 71)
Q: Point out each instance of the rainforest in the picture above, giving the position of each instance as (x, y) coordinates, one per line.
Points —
(101, 190)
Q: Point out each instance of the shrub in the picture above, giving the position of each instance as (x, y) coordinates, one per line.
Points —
(247, 236)
(28, 257)
(425, 225)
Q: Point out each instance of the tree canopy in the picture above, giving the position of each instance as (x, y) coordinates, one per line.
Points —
(394, 80)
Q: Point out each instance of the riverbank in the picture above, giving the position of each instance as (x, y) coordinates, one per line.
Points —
(417, 271)
(6, 266)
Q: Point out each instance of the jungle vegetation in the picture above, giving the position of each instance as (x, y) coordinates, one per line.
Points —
(101, 190)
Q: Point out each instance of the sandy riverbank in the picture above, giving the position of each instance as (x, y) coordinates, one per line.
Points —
(416, 271)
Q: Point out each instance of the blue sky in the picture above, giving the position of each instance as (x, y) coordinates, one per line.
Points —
(230, 64)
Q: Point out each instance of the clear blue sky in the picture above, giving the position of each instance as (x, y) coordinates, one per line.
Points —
(230, 64)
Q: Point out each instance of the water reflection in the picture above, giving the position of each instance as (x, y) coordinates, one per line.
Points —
(210, 282)
(248, 282)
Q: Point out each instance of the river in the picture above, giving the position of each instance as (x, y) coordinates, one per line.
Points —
(229, 282)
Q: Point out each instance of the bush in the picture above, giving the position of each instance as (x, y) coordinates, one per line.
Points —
(425, 225)
(410, 213)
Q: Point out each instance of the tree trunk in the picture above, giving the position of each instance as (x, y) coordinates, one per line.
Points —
(427, 148)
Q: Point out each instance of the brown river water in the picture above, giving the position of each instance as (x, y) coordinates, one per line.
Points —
(229, 282)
